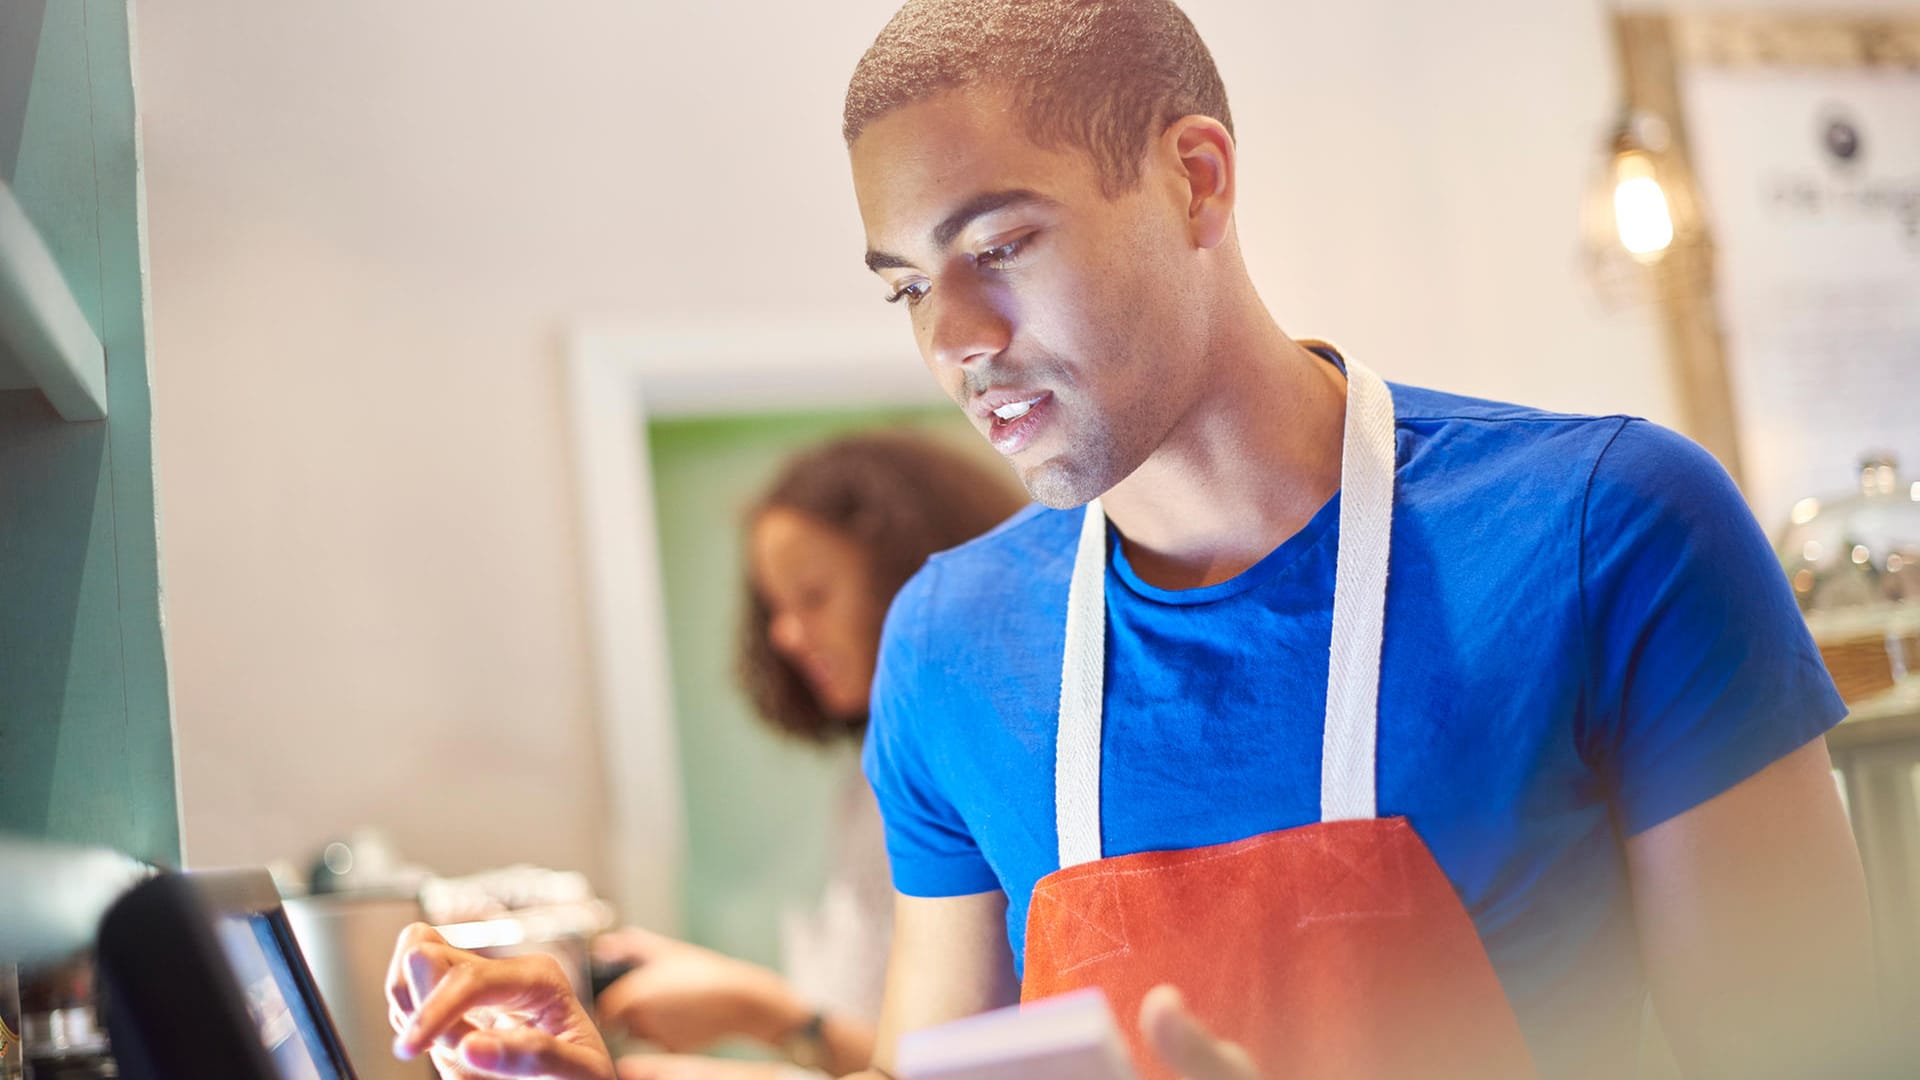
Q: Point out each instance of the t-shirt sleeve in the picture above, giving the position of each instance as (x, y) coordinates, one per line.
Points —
(929, 847)
(1701, 668)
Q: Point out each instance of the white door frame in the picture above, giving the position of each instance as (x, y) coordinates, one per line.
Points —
(621, 375)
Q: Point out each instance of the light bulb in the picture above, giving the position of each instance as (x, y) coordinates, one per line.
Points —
(1640, 210)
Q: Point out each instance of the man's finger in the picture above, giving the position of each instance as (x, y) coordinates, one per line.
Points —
(1179, 1041)
(423, 973)
(399, 995)
(528, 1051)
(416, 936)
(464, 987)
(400, 1021)
(425, 965)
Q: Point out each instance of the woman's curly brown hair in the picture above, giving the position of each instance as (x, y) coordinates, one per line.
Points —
(901, 498)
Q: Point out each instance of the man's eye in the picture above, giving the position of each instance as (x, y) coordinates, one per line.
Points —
(912, 292)
(1000, 256)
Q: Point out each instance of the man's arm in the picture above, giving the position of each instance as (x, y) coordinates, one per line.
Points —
(950, 959)
(1754, 927)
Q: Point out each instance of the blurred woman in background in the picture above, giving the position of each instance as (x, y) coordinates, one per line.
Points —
(839, 531)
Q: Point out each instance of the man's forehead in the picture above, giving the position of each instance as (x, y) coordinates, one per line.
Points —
(951, 138)
(975, 107)
(916, 165)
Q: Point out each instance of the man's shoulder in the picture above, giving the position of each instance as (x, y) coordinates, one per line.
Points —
(1424, 406)
(1596, 467)
(1653, 482)
(1484, 449)
(1032, 548)
(1037, 543)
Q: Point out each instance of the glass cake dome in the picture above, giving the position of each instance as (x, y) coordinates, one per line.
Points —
(1859, 548)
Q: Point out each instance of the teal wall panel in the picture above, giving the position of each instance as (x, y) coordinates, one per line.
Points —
(86, 742)
(148, 747)
(53, 174)
(19, 44)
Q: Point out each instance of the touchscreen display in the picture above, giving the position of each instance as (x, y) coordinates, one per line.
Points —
(283, 1017)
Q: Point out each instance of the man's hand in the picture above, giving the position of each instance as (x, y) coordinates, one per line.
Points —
(481, 1017)
(686, 998)
(1179, 1041)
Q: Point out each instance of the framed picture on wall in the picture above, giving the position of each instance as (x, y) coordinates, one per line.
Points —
(1795, 332)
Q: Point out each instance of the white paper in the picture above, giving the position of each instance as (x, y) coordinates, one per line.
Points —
(1070, 1037)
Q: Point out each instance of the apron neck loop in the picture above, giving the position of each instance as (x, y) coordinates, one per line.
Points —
(1348, 783)
(1347, 768)
(1076, 762)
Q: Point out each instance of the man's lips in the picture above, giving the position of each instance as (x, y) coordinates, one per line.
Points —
(1026, 418)
(986, 407)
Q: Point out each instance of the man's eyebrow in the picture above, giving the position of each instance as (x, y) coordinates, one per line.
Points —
(880, 260)
(984, 203)
(962, 216)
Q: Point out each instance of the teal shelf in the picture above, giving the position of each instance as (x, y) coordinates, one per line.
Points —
(46, 342)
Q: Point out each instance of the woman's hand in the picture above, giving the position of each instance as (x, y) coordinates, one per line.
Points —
(686, 998)
(685, 1067)
(481, 1017)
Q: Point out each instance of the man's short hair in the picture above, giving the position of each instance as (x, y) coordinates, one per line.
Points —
(1103, 76)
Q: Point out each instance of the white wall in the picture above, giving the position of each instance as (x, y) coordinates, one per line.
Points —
(1413, 178)
(371, 221)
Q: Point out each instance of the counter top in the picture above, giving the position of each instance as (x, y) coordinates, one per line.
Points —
(1890, 717)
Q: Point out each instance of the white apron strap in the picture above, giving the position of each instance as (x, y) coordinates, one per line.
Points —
(1347, 774)
(1348, 785)
(1076, 760)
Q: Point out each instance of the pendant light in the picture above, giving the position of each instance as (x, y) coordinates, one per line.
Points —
(1642, 211)
(1641, 220)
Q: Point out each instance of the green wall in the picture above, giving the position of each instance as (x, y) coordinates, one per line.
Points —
(86, 743)
(756, 803)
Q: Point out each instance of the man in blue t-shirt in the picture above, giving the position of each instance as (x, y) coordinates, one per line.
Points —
(1320, 660)
(1597, 706)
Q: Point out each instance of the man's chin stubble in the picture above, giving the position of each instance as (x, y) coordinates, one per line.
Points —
(1059, 484)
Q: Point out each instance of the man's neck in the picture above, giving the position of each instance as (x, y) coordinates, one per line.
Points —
(1246, 468)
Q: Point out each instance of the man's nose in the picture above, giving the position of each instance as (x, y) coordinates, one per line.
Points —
(964, 326)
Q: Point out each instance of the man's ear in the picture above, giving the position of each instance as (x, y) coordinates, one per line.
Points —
(1207, 158)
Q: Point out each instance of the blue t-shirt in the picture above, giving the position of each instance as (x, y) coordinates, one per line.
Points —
(1586, 635)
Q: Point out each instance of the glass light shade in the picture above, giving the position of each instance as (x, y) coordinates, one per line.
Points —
(1639, 210)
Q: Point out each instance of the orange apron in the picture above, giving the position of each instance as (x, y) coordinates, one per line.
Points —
(1337, 949)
